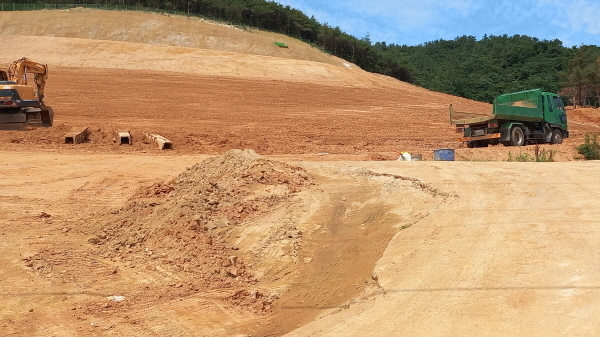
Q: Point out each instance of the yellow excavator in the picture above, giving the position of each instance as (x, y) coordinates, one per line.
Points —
(22, 105)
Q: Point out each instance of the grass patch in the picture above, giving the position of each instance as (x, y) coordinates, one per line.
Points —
(590, 149)
(539, 155)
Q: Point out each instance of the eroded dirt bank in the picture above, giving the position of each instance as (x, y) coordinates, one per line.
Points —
(234, 244)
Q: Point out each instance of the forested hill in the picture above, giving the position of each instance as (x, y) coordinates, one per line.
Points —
(482, 69)
(465, 66)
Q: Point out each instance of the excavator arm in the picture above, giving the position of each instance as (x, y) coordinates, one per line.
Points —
(17, 72)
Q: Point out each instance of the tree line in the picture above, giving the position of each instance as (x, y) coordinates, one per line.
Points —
(581, 81)
(466, 67)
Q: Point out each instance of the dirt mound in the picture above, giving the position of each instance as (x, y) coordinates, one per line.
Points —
(44, 136)
(242, 168)
(587, 119)
(179, 230)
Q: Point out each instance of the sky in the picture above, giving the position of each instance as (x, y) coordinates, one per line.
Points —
(413, 22)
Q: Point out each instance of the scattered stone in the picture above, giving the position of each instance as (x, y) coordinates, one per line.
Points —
(95, 240)
(43, 215)
(232, 272)
(207, 239)
(116, 298)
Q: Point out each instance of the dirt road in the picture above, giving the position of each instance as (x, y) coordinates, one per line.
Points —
(479, 259)
(301, 251)
(516, 257)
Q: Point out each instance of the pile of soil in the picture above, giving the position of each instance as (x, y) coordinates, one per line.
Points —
(181, 227)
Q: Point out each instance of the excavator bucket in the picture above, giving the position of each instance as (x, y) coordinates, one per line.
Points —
(47, 116)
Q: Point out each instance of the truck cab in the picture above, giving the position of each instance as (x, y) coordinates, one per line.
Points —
(554, 110)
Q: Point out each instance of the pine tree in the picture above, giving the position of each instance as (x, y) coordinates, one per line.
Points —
(582, 78)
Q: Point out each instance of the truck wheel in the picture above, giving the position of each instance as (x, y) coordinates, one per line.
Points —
(517, 136)
(557, 137)
(470, 145)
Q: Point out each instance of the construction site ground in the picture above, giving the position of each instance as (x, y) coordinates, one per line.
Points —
(316, 231)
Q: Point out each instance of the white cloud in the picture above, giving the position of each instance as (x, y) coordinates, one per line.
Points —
(394, 21)
(418, 21)
(410, 14)
(576, 15)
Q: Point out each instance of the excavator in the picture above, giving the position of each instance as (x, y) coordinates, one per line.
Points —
(22, 105)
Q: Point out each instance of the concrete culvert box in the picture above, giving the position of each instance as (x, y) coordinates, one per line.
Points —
(124, 138)
(163, 143)
(77, 136)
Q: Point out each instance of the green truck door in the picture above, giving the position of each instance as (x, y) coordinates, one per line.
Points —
(551, 111)
(560, 111)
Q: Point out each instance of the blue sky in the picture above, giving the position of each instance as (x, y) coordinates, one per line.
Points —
(413, 22)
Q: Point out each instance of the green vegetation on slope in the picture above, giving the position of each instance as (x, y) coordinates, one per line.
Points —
(465, 66)
(581, 81)
(481, 70)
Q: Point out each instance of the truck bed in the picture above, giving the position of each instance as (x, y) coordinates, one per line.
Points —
(473, 120)
(462, 118)
(516, 113)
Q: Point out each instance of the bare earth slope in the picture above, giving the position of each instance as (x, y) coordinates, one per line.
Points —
(155, 29)
(120, 70)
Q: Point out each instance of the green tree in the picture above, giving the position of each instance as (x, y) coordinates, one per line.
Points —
(582, 77)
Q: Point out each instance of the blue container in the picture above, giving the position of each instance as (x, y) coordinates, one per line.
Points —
(443, 154)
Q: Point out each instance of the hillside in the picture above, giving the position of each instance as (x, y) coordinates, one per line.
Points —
(128, 55)
(291, 102)
(156, 29)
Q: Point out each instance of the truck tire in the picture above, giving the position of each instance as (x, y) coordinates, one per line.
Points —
(557, 137)
(470, 145)
(517, 136)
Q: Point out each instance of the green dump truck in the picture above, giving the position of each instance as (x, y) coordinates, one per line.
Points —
(530, 116)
